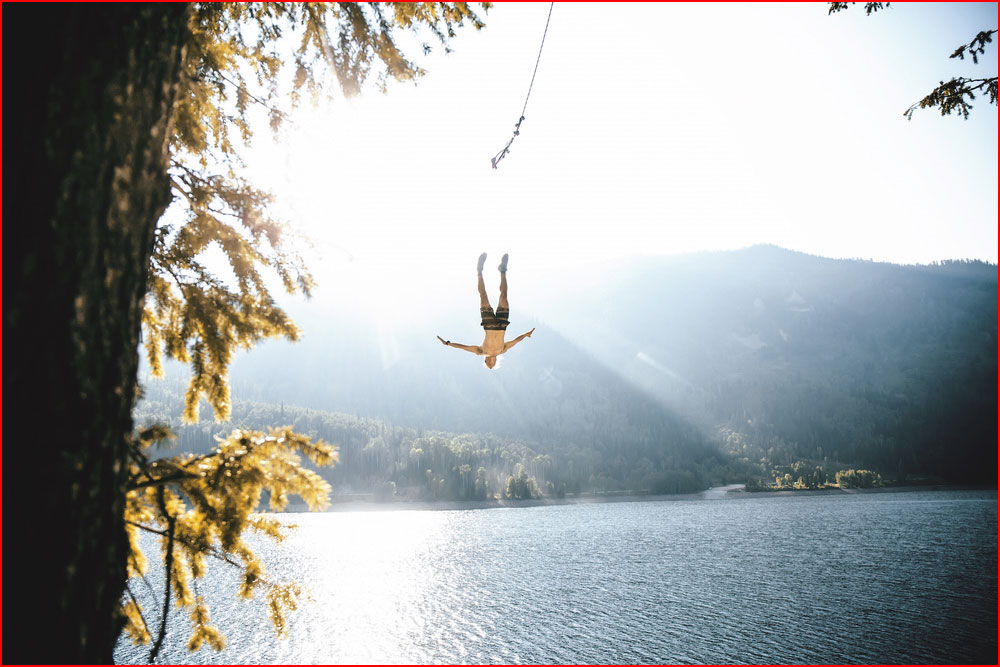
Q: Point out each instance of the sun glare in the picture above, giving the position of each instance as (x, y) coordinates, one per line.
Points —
(373, 244)
(374, 568)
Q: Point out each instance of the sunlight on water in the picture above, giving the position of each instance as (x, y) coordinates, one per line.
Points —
(369, 607)
(864, 578)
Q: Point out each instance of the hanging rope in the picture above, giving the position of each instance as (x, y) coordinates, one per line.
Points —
(495, 160)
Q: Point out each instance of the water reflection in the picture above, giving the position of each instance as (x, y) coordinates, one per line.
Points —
(868, 578)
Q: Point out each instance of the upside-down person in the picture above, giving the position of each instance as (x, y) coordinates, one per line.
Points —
(494, 323)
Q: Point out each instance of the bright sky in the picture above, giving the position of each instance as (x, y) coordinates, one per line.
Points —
(655, 129)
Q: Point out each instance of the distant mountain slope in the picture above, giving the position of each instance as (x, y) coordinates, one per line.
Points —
(883, 365)
(547, 395)
(546, 388)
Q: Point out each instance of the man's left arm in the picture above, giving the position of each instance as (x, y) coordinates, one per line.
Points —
(512, 343)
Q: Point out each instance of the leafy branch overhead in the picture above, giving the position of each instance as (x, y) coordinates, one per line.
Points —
(957, 94)
(235, 65)
(870, 7)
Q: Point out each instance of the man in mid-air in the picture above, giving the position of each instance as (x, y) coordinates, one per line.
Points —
(493, 323)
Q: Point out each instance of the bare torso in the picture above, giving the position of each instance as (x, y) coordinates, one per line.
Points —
(493, 343)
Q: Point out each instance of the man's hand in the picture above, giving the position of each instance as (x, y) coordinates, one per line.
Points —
(510, 344)
(443, 341)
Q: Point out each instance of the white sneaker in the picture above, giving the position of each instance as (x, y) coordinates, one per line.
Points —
(481, 264)
(503, 264)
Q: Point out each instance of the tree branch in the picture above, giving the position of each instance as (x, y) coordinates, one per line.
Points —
(169, 566)
(136, 564)
(181, 468)
(142, 618)
(870, 7)
(274, 110)
(213, 552)
(976, 47)
(161, 481)
(951, 96)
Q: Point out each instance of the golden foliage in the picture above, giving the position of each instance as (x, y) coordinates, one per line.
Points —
(231, 65)
(203, 506)
(203, 631)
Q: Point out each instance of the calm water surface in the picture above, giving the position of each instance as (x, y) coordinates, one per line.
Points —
(903, 577)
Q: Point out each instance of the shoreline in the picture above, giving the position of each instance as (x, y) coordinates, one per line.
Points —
(901, 488)
(351, 505)
(355, 504)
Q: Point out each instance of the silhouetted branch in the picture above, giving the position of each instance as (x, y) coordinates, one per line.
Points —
(870, 7)
(951, 96)
(169, 566)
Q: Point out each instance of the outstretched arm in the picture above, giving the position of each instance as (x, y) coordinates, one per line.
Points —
(511, 343)
(474, 349)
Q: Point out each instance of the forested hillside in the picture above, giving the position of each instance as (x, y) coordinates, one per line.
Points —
(383, 460)
(664, 374)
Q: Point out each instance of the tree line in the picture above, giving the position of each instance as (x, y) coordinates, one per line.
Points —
(385, 460)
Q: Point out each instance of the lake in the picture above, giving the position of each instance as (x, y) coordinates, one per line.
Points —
(868, 577)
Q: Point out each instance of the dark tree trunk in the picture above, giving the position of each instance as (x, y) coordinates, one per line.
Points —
(89, 92)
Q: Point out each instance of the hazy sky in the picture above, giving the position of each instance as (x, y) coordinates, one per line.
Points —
(656, 129)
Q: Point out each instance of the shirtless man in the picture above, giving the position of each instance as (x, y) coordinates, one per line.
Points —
(494, 324)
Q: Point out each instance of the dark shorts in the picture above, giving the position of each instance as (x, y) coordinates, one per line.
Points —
(495, 321)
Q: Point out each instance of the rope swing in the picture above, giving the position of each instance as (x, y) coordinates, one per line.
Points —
(495, 160)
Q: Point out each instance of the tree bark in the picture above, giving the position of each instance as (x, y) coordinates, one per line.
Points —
(89, 93)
